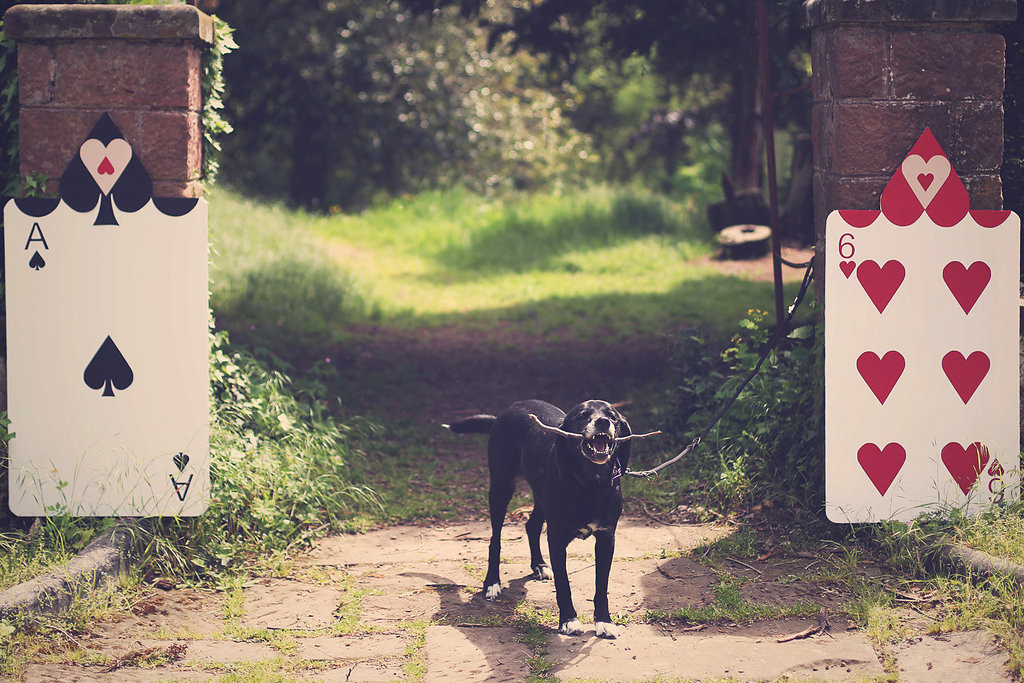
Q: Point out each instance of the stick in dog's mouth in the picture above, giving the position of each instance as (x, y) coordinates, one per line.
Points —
(571, 435)
(598, 449)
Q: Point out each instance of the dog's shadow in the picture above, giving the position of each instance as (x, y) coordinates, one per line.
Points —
(486, 624)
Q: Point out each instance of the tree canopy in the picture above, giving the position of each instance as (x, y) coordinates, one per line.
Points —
(335, 102)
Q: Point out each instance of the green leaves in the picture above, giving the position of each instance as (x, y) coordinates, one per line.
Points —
(769, 446)
(214, 125)
(9, 178)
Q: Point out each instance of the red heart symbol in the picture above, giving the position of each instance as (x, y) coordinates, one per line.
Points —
(995, 469)
(965, 464)
(882, 373)
(847, 267)
(926, 179)
(881, 282)
(881, 464)
(965, 374)
(967, 283)
(106, 168)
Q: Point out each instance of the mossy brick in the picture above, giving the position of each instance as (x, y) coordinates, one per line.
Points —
(856, 65)
(119, 74)
(872, 138)
(823, 12)
(985, 190)
(178, 188)
(167, 143)
(49, 138)
(947, 65)
(977, 143)
(35, 74)
(149, 23)
(171, 144)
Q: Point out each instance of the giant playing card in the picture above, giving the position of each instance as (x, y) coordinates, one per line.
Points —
(107, 334)
(921, 356)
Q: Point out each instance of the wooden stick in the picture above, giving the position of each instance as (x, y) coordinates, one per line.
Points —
(554, 430)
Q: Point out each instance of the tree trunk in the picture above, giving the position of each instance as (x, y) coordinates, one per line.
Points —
(746, 130)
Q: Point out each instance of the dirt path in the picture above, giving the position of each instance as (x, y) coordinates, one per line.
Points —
(404, 602)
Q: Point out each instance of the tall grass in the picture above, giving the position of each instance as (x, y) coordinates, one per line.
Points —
(278, 470)
(270, 279)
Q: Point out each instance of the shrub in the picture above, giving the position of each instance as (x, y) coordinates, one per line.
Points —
(277, 470)
(769, 445)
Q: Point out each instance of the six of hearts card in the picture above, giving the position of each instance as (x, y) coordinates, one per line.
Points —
(107, 342)
(921, 349)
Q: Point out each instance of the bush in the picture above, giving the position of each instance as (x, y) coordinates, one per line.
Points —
(770, 445)
(277, 470)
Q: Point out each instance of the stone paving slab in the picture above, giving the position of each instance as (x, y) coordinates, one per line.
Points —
(475, 654)
(644, 652)
(468, 541)
(346, 648)
(953, 658)
(284, 604)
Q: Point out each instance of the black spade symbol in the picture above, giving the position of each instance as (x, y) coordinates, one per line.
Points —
(108, 369)
(36, 262)
(180, 460)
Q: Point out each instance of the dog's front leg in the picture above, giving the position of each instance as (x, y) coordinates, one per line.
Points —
(604, 549)
(533, 528)
(568, 624)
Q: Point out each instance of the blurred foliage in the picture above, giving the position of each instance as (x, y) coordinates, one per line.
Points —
(692, 45)
(337, 101)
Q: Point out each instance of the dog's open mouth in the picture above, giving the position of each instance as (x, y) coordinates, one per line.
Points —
(598, 449)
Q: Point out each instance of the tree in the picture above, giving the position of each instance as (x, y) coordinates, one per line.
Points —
(336, 101)
(682, 39)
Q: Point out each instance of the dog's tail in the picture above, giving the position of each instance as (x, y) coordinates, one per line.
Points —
(477, 424)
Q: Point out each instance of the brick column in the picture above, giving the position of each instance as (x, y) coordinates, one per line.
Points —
(139, 63)
(886, 69)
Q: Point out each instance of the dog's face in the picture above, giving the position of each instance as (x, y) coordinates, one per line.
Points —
(600, 424)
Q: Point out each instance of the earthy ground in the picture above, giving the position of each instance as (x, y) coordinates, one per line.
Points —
(404, 602)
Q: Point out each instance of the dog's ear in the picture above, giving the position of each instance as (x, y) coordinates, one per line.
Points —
(624, 449)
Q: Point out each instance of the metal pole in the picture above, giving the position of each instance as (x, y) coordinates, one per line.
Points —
(769, 145)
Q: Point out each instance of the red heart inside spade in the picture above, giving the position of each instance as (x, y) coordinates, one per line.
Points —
(967, 283)
(965, 464)
(881, 282)
(106, 168)
(926, 179)
(881, 464)
(882, 373)
(847, 267)
(965, 374)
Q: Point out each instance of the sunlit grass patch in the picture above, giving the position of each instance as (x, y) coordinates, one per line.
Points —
(999, 533)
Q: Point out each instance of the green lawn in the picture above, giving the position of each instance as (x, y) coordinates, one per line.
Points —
(602, 259)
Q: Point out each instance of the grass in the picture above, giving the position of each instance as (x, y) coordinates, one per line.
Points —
(452, 257)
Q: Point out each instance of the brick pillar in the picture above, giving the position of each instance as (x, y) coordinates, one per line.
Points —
(139, 63)
(886, 69)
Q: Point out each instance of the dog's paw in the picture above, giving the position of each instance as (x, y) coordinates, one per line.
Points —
(573, 627)
(542, 573)
(606, 629)
(493, 591)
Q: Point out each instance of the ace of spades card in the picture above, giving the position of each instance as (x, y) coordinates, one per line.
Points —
(107, 334)
(921, 349)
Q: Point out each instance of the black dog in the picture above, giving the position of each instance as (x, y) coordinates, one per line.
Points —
(573, 462)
